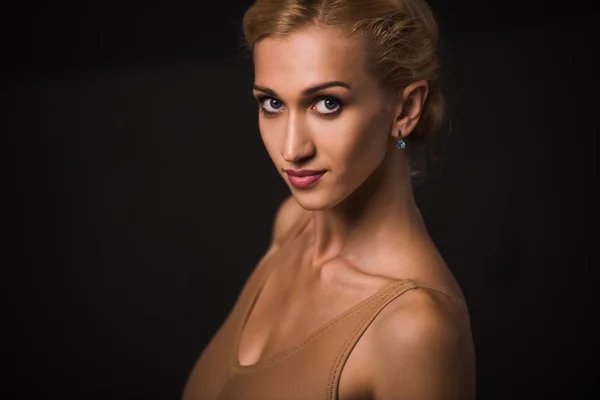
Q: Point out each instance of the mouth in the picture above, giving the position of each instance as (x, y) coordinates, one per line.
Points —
(304, 179)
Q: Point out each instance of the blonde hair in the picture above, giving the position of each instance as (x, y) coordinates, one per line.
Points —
(402, 37)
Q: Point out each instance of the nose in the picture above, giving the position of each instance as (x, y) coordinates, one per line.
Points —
(297, 144)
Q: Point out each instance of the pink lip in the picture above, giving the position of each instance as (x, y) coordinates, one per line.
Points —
(303, 179)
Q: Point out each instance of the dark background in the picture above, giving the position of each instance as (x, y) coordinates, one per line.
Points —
(131, 228)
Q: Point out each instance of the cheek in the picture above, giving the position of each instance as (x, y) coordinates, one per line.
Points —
(360, 150)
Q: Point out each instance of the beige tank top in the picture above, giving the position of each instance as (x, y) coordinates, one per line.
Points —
(309, 370)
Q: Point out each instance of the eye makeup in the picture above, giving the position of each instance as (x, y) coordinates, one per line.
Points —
(332, 105)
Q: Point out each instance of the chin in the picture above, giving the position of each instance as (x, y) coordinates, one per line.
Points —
(316, 200)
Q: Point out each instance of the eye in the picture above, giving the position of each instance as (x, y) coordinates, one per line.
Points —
(328, 105)
(270, 105)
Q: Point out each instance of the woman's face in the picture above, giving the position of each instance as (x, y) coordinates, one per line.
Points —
(323, 117)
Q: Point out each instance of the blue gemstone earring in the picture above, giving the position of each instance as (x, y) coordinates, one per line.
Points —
(401, 144)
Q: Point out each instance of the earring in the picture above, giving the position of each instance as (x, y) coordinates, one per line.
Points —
(401, 144)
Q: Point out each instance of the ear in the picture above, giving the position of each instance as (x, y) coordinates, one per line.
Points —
(409, 107)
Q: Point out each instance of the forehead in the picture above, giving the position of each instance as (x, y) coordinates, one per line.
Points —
(308, 56)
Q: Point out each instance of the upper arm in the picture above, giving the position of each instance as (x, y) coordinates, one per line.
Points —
(422, 349)
(288, 214)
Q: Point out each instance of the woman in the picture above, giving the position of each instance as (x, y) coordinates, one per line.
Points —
(352, 300)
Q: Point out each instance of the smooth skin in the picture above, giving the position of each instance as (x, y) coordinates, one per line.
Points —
(355, 232)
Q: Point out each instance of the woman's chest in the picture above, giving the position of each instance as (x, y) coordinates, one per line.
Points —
(295, 303)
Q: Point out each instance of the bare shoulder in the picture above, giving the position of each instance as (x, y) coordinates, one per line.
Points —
(421, 315)
(420, 346)
(288, 215)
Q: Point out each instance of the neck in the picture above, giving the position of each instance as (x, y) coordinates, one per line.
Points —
(379, 217)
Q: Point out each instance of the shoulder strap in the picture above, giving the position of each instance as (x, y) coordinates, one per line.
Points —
(361, 327)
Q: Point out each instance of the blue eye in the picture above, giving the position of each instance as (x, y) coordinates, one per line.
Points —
(328, 105)
(271, 105)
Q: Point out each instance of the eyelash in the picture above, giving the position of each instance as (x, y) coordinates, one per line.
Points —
(261, 99)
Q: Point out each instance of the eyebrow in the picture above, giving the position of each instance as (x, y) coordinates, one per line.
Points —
(309, 91)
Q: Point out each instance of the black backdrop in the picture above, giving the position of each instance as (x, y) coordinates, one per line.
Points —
(144, 196)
